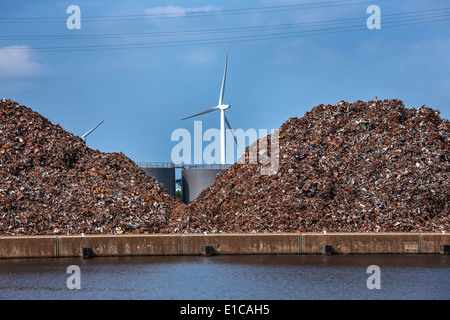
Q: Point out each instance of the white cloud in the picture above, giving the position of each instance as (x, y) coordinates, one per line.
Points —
(177, 11)
(18, 62)
(202, 56)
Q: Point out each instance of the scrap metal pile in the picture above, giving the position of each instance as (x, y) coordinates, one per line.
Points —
(52, 183)
(350, 167)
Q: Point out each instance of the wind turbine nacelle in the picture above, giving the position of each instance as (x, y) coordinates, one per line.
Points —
(224, 106)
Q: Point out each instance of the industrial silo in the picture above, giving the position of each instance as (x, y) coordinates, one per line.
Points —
(196, 178)
(164, 173)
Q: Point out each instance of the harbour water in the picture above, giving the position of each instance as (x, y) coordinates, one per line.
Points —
(244, 277)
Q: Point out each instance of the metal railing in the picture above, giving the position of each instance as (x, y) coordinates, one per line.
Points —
(156, 164)
(206, 166)
(182, 166)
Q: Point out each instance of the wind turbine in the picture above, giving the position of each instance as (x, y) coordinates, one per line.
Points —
(223, 119)
(90, 131)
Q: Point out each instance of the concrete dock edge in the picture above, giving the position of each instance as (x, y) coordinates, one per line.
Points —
(231, 243)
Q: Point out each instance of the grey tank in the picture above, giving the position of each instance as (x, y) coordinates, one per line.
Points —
(163, 175)
(195, 180)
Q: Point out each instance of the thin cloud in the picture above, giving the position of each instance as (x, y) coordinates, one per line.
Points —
(177, 11)
(18, 62)
(202, 56)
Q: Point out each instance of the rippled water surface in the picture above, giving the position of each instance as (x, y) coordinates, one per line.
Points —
(259, 277)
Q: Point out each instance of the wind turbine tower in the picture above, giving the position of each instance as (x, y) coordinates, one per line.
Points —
(223, 119)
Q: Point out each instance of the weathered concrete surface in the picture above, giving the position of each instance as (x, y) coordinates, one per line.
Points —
(27, 247)
(363, 242)
(242, 243)
(120, 245)
(234, 243)
(430, 242)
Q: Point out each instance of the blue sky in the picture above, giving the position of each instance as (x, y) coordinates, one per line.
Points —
(143, 65)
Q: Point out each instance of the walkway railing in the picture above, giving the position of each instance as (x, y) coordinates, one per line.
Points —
(182, 166)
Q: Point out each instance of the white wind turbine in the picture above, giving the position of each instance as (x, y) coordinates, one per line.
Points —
(84, 136)
(223, 118)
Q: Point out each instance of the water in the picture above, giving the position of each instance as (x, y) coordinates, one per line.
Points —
(259, 277)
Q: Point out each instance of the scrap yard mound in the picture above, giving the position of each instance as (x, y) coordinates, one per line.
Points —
(351, 167)
(52, 183)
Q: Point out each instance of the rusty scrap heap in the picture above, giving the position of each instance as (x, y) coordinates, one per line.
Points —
(52, 183)
(351, 167)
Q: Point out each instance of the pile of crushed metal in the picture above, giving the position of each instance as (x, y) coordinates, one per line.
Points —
(52, 183)
(351, 167)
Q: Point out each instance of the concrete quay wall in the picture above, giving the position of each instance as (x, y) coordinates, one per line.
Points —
(231, 243)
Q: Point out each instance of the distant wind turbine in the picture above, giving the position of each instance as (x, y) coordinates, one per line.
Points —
(223, 119)
(90, 131)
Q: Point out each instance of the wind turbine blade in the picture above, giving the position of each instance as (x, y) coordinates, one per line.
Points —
(222, 91)
(229, 126)
(90, 131)
(202, 112)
